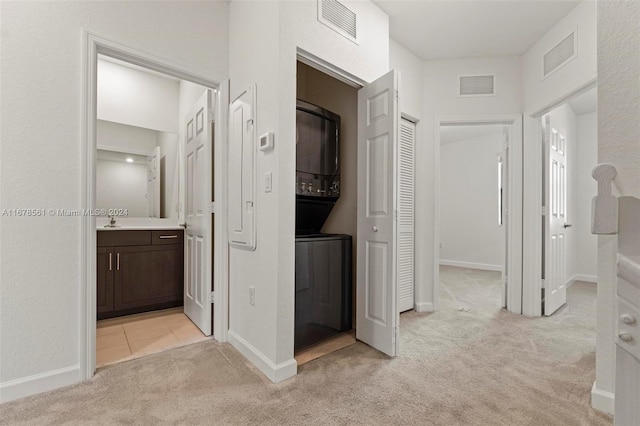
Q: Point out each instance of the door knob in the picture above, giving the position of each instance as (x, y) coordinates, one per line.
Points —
(567, 225)
(375, 228)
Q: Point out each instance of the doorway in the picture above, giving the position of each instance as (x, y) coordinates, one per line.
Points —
(165, 244)
(478, 207)
(569, 150)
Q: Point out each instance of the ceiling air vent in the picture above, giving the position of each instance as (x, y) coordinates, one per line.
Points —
(339, 18)
(477, 85)
(560, 55)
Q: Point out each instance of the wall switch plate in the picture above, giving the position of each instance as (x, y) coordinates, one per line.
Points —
(267, 182)
(252, 296)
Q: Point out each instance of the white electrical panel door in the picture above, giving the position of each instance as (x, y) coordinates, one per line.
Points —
(406, 179)
(241, 166)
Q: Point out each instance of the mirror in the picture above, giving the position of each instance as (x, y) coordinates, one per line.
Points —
(137, 169)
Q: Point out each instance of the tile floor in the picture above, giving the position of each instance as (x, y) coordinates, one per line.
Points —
(123, 338)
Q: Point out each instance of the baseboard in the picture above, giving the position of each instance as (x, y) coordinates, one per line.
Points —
(586, 278)
(38, 383)
(471, 265)
(602, 400)
(275, 372)
(425, 307)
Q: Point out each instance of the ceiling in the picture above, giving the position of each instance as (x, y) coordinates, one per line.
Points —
(467, 29)
(460, 132)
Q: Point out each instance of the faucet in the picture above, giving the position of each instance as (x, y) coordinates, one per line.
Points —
(112, 221)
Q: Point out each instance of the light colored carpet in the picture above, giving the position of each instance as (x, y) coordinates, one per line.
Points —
(470, 363)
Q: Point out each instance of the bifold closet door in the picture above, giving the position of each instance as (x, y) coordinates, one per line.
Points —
(406, 188)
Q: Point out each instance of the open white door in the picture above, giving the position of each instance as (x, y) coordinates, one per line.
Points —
(198, 253)
(503, 218)
(153, 182)
(555, 290)
(377, 308)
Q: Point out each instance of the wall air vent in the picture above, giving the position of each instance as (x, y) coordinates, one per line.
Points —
(477, 85)
(339, 18)
(560, 55)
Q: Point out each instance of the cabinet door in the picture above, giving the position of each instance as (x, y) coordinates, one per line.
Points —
(147, 275)
(105, 266)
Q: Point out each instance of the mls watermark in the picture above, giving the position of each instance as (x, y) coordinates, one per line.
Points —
(51, 212)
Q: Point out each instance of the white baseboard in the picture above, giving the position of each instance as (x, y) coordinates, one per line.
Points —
(425, 307)
(275, 372)
(587, 278)
(38, 383)
(471, 265)
(602, 400)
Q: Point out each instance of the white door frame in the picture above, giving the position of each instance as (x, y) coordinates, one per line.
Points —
(92, 45)
(514, 204)
(532, 206)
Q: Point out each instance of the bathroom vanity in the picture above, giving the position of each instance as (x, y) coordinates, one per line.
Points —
(139, 270)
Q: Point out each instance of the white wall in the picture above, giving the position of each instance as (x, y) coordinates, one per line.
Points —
(137, 98)
(440, 80)
(122, 185)
(618, 144)
(586, 156)
(40, 164)
(469, 230)
(124, 138)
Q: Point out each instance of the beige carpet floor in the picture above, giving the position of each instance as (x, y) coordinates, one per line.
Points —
(470, 363)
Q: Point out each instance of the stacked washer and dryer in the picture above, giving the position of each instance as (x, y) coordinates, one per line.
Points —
(323, 297)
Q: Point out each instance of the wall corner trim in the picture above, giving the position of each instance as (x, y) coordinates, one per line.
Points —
(38, 383)
(275, 372)
(602, 400)
(425, 307)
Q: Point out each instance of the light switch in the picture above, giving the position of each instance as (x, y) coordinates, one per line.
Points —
(267, 182)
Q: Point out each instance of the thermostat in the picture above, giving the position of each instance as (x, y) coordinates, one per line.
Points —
(266, 142)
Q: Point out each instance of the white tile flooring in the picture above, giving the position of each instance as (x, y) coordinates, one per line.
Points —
(123, 338)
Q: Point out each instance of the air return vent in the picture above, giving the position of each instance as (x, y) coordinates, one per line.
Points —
(560, 55)
(339, 18)
(477, 85)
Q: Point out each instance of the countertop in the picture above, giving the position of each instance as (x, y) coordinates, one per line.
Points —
(141, 228)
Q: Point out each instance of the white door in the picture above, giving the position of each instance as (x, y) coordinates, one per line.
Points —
(555, 291)
(406, 268)
(503, 217)
(153, 182)
(376, 307)
(198, 253)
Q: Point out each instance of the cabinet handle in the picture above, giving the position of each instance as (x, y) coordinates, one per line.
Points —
(110, 265)
(163, 237)
(117, 261)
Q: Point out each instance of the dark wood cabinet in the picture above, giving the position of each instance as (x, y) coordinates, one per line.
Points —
(139, 271)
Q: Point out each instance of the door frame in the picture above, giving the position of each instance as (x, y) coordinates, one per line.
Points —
(532, 205)
(514, 204)
(93, 45)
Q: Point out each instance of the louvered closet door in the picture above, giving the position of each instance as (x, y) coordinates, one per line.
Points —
(406, 173)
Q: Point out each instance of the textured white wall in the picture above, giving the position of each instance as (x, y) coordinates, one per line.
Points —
(122, 185)
(40, 164)
(137, 98)
(440, 80)
(586, 188)
(469, 230)
(618, 144)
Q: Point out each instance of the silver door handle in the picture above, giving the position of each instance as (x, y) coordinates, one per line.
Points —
(168, 236)
(567, 225)
(374, 228)
(110, 265)
(117, 261)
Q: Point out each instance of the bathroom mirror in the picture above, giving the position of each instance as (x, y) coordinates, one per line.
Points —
(137, 171)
